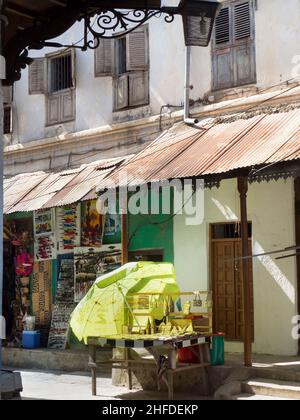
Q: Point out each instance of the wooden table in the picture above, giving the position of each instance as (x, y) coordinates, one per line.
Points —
(158, 347)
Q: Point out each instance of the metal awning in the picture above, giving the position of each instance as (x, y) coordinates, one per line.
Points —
(216, 149)
(34, 191)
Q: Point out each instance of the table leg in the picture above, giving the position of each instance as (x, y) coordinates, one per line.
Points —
(129, 371)
(170, 377)
(93, 365)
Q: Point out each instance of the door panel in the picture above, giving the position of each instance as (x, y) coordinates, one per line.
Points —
(227, 278)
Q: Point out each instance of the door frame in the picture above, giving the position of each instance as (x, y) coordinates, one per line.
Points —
(211, 268)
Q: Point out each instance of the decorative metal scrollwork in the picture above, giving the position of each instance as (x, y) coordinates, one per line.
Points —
(116, 23)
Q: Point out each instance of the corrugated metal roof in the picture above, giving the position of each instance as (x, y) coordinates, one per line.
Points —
(215, 147)
(33, 191)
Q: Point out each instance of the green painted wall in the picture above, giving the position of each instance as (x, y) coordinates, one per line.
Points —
(151, 232)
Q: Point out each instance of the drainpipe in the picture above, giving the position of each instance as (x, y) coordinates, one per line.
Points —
(187, 88)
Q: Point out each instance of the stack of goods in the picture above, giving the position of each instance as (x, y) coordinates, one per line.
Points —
(42, 298)
(64, 303)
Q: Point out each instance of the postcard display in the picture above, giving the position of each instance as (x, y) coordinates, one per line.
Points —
(91, 263)
(64, 303)
(44, 235)
(72, 235)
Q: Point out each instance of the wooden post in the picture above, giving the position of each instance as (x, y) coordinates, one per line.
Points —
(124, 239)
(243, 190)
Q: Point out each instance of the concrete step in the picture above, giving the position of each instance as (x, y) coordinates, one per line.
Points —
(272, 388)
(251, 397)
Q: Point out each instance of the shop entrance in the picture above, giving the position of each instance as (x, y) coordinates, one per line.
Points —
(18, 264)
(9, 288)
(227, 279)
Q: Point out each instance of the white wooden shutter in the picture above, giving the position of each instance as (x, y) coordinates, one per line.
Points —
(233, 59)
(244, 64)
(242, 21)
(53, 105)
(105, 58)
(138, 88)
(222, 27)
(67, 106)
(37, 77)
(138, 49)
(223, 75)
(121, 90)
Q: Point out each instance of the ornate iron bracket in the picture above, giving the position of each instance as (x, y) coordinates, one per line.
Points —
(112, 23)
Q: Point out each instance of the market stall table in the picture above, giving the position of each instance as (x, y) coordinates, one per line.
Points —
(158, 347)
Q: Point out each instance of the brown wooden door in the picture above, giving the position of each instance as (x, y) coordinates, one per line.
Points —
(227, 280)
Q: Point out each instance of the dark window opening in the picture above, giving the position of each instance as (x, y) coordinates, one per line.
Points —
(153, 255)
(121, 56)
(7, 120)
(229, 231)
(61, 73)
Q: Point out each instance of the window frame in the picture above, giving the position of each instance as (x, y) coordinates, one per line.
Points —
(59, 98)
(131, 75)
(232, 47)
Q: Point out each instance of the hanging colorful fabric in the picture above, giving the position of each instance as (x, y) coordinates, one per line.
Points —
(24, 264)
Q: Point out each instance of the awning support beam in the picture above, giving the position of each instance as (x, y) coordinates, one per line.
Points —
(243, 190)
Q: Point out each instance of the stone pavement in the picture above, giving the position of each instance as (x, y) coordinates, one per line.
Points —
(39, 385)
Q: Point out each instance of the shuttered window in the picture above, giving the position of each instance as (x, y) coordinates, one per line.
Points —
(233, 53)
(37, 77)
(127, 61)
(222, 29)
(54, 76)
(61, 73)
(104, 58)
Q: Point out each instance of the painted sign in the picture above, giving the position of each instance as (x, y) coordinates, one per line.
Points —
(92, 225)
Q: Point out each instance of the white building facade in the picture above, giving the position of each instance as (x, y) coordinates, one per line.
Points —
(109, 103)
(75, 107)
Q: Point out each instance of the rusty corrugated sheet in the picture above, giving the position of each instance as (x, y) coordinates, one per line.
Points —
(223, 146)
(29, 192)
(19, 187)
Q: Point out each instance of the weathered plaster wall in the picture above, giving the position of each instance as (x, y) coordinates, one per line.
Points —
(271, 210)
(277, 57)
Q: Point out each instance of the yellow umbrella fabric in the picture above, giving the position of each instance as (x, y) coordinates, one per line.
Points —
(106, 308)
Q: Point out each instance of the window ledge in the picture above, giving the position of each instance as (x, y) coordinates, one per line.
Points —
(232, 93)
(59, 129)
(131, 114)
